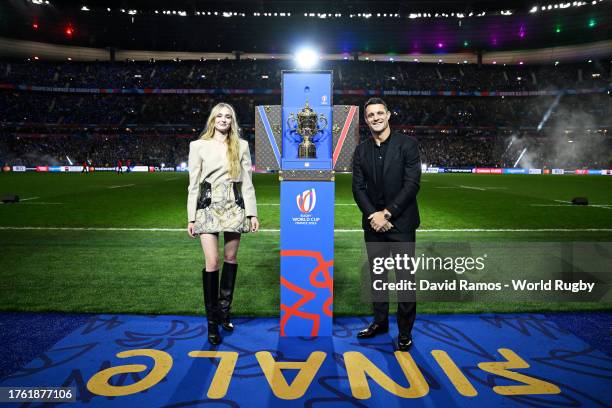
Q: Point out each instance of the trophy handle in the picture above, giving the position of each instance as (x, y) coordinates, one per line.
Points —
(323, 119)
(290, 120)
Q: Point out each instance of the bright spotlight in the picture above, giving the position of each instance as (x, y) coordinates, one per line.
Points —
(306, 58)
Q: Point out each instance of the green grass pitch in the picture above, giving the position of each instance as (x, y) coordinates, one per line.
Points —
(117, 243)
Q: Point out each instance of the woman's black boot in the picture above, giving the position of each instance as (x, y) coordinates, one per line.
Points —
(226, 294)
(211, 301)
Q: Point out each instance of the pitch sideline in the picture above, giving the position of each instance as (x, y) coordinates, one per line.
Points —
(341, 230)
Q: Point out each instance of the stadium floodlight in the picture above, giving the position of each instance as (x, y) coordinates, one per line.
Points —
(84, 8)
(306, 58)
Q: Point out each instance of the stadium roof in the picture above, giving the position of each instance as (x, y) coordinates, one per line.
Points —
(377, 27)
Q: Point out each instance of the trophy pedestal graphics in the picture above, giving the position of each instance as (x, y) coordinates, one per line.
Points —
(304, 141)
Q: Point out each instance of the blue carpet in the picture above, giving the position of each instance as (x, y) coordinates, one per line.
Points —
(67, 350)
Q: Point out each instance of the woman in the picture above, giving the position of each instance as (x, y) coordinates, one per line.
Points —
(221, 198)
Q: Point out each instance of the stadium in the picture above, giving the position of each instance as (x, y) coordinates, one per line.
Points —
(507, 104)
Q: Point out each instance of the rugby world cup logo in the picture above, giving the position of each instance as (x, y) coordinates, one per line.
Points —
(306, 200)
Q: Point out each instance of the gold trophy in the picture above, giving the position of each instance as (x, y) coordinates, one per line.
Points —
(307, 126)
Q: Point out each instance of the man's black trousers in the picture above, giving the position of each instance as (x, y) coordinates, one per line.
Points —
(387, 244)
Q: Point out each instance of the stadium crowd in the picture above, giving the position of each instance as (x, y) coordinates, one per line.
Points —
(192, 110)
(348, 75)
(96, 150)
(445, 148)
(454, 131)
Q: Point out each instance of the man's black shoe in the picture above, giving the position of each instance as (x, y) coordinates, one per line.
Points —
(372, 330)
(404, 341)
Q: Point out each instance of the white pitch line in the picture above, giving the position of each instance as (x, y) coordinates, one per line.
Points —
(336, 230)
(570, 204)
(40, 203)
(125, 185)
(278, 204)
(29, 198)
(474, 188)
(551, 205)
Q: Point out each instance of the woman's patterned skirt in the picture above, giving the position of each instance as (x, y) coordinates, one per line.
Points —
(221, 213)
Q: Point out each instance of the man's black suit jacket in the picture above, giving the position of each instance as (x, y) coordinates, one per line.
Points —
(401, 181)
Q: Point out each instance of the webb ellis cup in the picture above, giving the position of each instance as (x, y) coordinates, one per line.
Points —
(307, 127)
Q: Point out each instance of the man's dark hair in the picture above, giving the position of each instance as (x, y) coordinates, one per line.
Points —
(374, 101)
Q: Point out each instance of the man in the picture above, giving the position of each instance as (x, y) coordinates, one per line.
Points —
(386, 177)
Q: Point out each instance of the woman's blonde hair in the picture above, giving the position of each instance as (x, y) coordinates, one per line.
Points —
(233, 137)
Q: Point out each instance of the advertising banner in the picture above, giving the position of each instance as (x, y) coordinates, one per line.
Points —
(73, 169)
(516, 171)
(480, 170)
(19, 168)
(454, 170)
